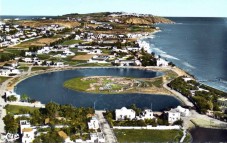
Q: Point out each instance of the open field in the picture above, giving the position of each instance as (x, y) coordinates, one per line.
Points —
(40, 68)
(3, 79)
(148, 135)
(82, 57)
(70, 42)
(15, 109)
(36, 42)
(40, 23)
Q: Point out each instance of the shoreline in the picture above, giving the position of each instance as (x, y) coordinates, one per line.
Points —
(179, 72)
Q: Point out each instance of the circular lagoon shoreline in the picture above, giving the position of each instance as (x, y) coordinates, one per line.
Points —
(33, 89)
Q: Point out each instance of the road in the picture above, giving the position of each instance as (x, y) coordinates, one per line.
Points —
(105, 128)
(178, 95)
(194, 114)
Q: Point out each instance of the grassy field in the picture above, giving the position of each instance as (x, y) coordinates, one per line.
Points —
(36, 42)
(40, 68)
(3, 79)
(25, 68)
(70, 42)
(95, 65)
(78, 84)
(148, 135)
(15, 109)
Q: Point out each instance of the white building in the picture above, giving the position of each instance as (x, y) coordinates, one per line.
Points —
(124, 113)
(173, 116)
(183, 111)
(162, 63)
(146, 114)
(98, 59)
(93, 124)
(96, 51)
(27, 131)
(97, 137)
(222, 101)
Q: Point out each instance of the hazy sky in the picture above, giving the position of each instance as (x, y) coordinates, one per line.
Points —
(206, 8)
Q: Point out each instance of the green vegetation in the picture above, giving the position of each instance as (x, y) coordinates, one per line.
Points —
(25, 68)
(40, 68)
(157, 82)
(204, 100)
(78, 84)
(70, 42)
(15, 109)
(94, 65)
(75, 118)
(11, 98)
(148, 135)
(3, 79)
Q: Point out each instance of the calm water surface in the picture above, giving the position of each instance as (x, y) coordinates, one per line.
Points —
(49, 87)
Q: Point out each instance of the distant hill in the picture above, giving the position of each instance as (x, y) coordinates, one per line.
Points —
(126, 18)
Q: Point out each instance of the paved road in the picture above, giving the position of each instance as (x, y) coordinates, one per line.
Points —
(179, 95)
(108, 132)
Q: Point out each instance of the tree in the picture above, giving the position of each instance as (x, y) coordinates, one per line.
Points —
(11, 125)
(24, 98)
(52, 109)
(12, 98)
(137, 110)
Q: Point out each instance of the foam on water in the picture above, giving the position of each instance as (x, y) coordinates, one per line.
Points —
(188, 65)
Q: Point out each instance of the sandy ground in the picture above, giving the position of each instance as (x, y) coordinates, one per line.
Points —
(83, 57)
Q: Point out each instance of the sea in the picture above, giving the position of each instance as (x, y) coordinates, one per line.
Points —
(197, 45)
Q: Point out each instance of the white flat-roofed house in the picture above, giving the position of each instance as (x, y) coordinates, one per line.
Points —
(59, 64)
(97, 137)
(30, 53)
(28, 60)
(28, 133)
(125, 62)
(93, 124)
(146, 114)
(44, 50)
(162, 63)
(186, 79)
(138, 63)
(222, 101)
(68, 53)
(98, 59)
(96, 51)
(183, 111)
(173, 116)
(124, 113)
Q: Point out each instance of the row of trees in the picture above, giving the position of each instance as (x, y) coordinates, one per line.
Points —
(202, 99)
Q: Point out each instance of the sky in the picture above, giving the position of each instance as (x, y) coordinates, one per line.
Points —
(187, 8)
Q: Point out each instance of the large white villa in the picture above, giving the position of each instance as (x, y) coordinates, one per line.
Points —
(125, 113)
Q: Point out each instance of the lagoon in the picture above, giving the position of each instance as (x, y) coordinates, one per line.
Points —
(49, 87)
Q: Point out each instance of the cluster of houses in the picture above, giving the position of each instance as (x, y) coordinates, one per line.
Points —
(119, 14)
(97, 136)
(10, 69)
(172, 116)
(15, 34)
(29, 132)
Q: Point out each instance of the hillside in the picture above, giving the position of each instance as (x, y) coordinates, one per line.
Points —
(126, 18)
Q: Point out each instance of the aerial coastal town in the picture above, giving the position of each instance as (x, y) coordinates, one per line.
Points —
(98, 40)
